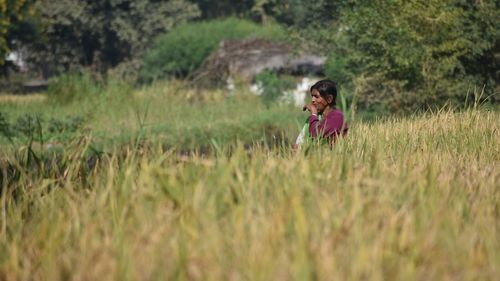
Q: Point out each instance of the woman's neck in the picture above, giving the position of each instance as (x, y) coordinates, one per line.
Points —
(327, 110)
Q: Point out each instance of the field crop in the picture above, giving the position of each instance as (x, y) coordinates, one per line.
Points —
(413, 198)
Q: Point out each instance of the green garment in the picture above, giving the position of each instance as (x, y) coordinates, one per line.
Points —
(304, 135)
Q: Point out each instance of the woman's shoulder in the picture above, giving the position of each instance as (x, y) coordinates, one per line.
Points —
(336, 113)
(337, 118)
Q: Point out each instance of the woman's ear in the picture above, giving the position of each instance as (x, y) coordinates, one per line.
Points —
(329, 99)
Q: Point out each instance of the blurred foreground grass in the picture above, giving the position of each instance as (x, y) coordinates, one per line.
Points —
(398, 199)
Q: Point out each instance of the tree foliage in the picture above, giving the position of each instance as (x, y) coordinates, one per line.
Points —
(300, 13)
(398, 54)
(12, 14)
(407, 54)
(211, 9)
(394, 54)
(104, 33)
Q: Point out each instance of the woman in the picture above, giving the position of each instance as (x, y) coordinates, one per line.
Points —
(326, 122)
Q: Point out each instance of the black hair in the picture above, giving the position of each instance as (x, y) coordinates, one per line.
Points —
(326, 88)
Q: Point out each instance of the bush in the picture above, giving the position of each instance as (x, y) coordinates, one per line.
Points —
(5, 127)
(75, 86)
(69, 125)
(83, 86)
(182, 50)
(28, 125)
(272, 85)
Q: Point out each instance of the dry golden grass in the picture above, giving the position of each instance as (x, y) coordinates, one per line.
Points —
(399, 199)
(5, 98)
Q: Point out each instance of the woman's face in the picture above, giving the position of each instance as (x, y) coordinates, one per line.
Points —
(318, 100)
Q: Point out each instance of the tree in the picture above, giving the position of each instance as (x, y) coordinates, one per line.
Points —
(409, 54)
(12, 15)
(299, 13)
(103, 34)
(211, 9)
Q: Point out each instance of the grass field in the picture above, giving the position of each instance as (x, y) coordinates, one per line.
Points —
(166, 113)
(413, 198)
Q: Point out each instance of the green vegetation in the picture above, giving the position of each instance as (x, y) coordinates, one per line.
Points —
(178, 53)
(273, 86)
(101, 34)
(104, 178)
(390, 57)
(408, 55)
(13, 15)
(168, 113)
(74, 87)
(394, 200)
